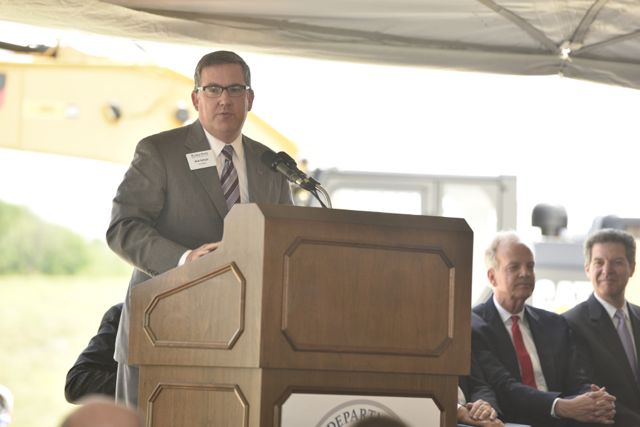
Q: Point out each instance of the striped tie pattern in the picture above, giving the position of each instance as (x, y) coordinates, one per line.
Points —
(229, 178)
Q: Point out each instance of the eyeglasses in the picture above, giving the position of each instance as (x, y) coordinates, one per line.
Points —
(215, 91)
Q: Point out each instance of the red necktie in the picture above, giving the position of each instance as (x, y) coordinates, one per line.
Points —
(526, 368)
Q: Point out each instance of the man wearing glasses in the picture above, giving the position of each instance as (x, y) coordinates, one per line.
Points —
(170, 207)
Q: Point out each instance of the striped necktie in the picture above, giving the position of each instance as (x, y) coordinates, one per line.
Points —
(229, 178)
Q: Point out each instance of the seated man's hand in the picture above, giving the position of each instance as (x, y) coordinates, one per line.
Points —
(605, 403)
(465, 418)
(596, 406)
(481, 410)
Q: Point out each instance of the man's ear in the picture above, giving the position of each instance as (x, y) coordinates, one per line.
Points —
(194, 99)
(250, 96)
(491, 275)
(586, 268)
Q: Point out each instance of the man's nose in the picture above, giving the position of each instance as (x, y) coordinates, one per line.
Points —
(525, 271)
(224, 98)
(607, 267)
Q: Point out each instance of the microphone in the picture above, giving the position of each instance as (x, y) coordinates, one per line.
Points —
(283, 163)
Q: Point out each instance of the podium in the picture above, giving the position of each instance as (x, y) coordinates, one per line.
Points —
(305, 300)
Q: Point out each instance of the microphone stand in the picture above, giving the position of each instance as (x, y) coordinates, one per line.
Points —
(317, 188)
(313, 187)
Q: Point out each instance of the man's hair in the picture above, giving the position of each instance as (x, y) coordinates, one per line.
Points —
(380, 421)
(221, 57)
(100, 410)
(611, 235)
(490, 259)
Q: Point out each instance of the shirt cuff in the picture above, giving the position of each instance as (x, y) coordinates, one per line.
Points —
(183, 258)
(553, 408)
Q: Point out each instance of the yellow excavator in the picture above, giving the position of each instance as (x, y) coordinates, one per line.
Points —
(63, 101)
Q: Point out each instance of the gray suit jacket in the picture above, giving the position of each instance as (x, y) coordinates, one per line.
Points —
(162, 208)
(600, 342)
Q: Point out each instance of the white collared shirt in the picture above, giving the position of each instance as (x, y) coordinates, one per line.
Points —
(611, 311)
(238, 162)
(528, 342)
(461, 399)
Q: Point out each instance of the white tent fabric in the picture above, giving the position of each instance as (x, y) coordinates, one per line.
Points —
(597, 40)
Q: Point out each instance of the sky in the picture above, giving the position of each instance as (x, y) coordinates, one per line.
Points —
(568, 142)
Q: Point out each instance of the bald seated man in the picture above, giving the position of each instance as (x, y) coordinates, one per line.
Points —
(102, 412)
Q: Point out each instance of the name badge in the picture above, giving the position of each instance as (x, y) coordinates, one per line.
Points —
(201, 159)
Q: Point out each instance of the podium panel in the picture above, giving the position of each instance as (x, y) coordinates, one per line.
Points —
(217, 298)
(373, 293)
(197, 405)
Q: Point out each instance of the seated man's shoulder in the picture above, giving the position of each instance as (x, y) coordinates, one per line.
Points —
(478, 321)
(112, 316)
(482, 310)
(576, 312)
(547, 317)
(542, 313)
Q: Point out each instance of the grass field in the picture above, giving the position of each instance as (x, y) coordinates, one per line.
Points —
(45, 322)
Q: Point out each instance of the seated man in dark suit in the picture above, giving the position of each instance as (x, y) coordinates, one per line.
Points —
(527, 354)
(95, 370)
(608, 325)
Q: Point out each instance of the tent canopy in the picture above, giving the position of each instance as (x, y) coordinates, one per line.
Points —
(596, 40)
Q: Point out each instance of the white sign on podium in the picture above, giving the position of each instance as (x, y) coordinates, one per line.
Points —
(334, 410)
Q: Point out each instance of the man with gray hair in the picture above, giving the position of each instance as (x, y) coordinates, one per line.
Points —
(527, 354)
(607, 325)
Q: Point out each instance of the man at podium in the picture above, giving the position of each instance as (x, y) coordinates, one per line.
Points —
(170, 207)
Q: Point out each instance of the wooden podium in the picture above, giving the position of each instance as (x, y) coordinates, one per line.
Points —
(305, 300)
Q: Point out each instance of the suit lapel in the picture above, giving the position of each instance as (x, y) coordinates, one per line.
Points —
(208, 177)
(634, 315)
(603, 326)
(547, 361)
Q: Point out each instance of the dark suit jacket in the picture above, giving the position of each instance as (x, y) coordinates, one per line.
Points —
(597, 334)
(95, 370)
(162, 208)
(562, 370)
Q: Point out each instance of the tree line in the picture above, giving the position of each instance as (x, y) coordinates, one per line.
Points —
(30, 245)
